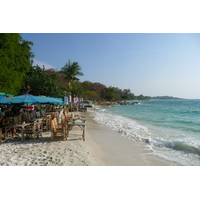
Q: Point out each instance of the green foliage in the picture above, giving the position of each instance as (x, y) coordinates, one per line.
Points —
(15, 61)
(164, 97)
(95, 87)
(51, 82)
(87, 83)
(141, 97)
(42, 83)
(77, 89)
(92, 95)
(125, 96)
(71, 71)
(108, 93)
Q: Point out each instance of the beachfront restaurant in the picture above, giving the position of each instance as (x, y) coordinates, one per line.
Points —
(28, 117)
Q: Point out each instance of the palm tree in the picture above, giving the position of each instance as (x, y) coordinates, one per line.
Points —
(71, 71)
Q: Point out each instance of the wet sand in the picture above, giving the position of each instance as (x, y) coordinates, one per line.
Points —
(118, 150)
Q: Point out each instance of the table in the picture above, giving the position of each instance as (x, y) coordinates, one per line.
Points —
(79, 118)
(38, 123)
(81, 125)
(21, 126)
(50, 113)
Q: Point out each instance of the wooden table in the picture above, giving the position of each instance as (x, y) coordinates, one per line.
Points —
(20, 126)
(79, 118)
(51, 113)
(81, 125)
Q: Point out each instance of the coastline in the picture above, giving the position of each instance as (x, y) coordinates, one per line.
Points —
(117, 150)
(102, 147)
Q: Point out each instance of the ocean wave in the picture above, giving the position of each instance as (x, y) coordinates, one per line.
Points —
(127, 127)
(187, 148)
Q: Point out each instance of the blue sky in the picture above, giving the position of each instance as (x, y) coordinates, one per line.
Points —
(152, 64)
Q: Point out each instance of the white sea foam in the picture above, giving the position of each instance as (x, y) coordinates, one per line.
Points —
(127, 127)
(161, 146)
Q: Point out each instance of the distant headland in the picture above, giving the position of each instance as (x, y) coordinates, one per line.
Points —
(164, 97)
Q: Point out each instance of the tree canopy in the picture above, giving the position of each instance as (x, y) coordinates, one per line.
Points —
(71, 71)
(15, 61)
(43, 83)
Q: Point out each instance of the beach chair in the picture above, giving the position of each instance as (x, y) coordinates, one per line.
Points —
(66, 110)
(54, 115)
(47, 123)
(39, 128)
(30, 131)
(34, 130)
(58, 131)
(66, 119)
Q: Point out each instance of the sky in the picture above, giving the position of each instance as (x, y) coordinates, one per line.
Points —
(151, 64)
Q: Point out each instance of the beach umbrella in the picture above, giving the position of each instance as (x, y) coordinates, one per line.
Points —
(9, 95)
(5, 94)
(57, 101)
(27, 99)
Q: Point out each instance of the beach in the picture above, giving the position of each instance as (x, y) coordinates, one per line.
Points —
(117, 150)
(103, 147)
(44, 152)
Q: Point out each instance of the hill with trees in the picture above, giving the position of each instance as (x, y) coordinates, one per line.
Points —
(164, 97)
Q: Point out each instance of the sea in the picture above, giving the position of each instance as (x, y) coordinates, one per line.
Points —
(169, 129)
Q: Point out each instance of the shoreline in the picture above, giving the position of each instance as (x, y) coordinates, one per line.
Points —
(102, 147)
(119, 150)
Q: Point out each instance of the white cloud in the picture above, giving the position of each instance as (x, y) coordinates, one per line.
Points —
(41, 63)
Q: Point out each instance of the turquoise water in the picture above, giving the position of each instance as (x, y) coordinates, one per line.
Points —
(170, 128)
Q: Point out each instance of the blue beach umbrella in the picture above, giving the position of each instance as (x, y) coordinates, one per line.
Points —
(57, 101)
(5, 94)
(27, 99)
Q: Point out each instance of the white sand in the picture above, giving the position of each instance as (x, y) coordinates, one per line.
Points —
(44, 152)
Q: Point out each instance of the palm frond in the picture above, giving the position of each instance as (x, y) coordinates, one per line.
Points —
(71, 71)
